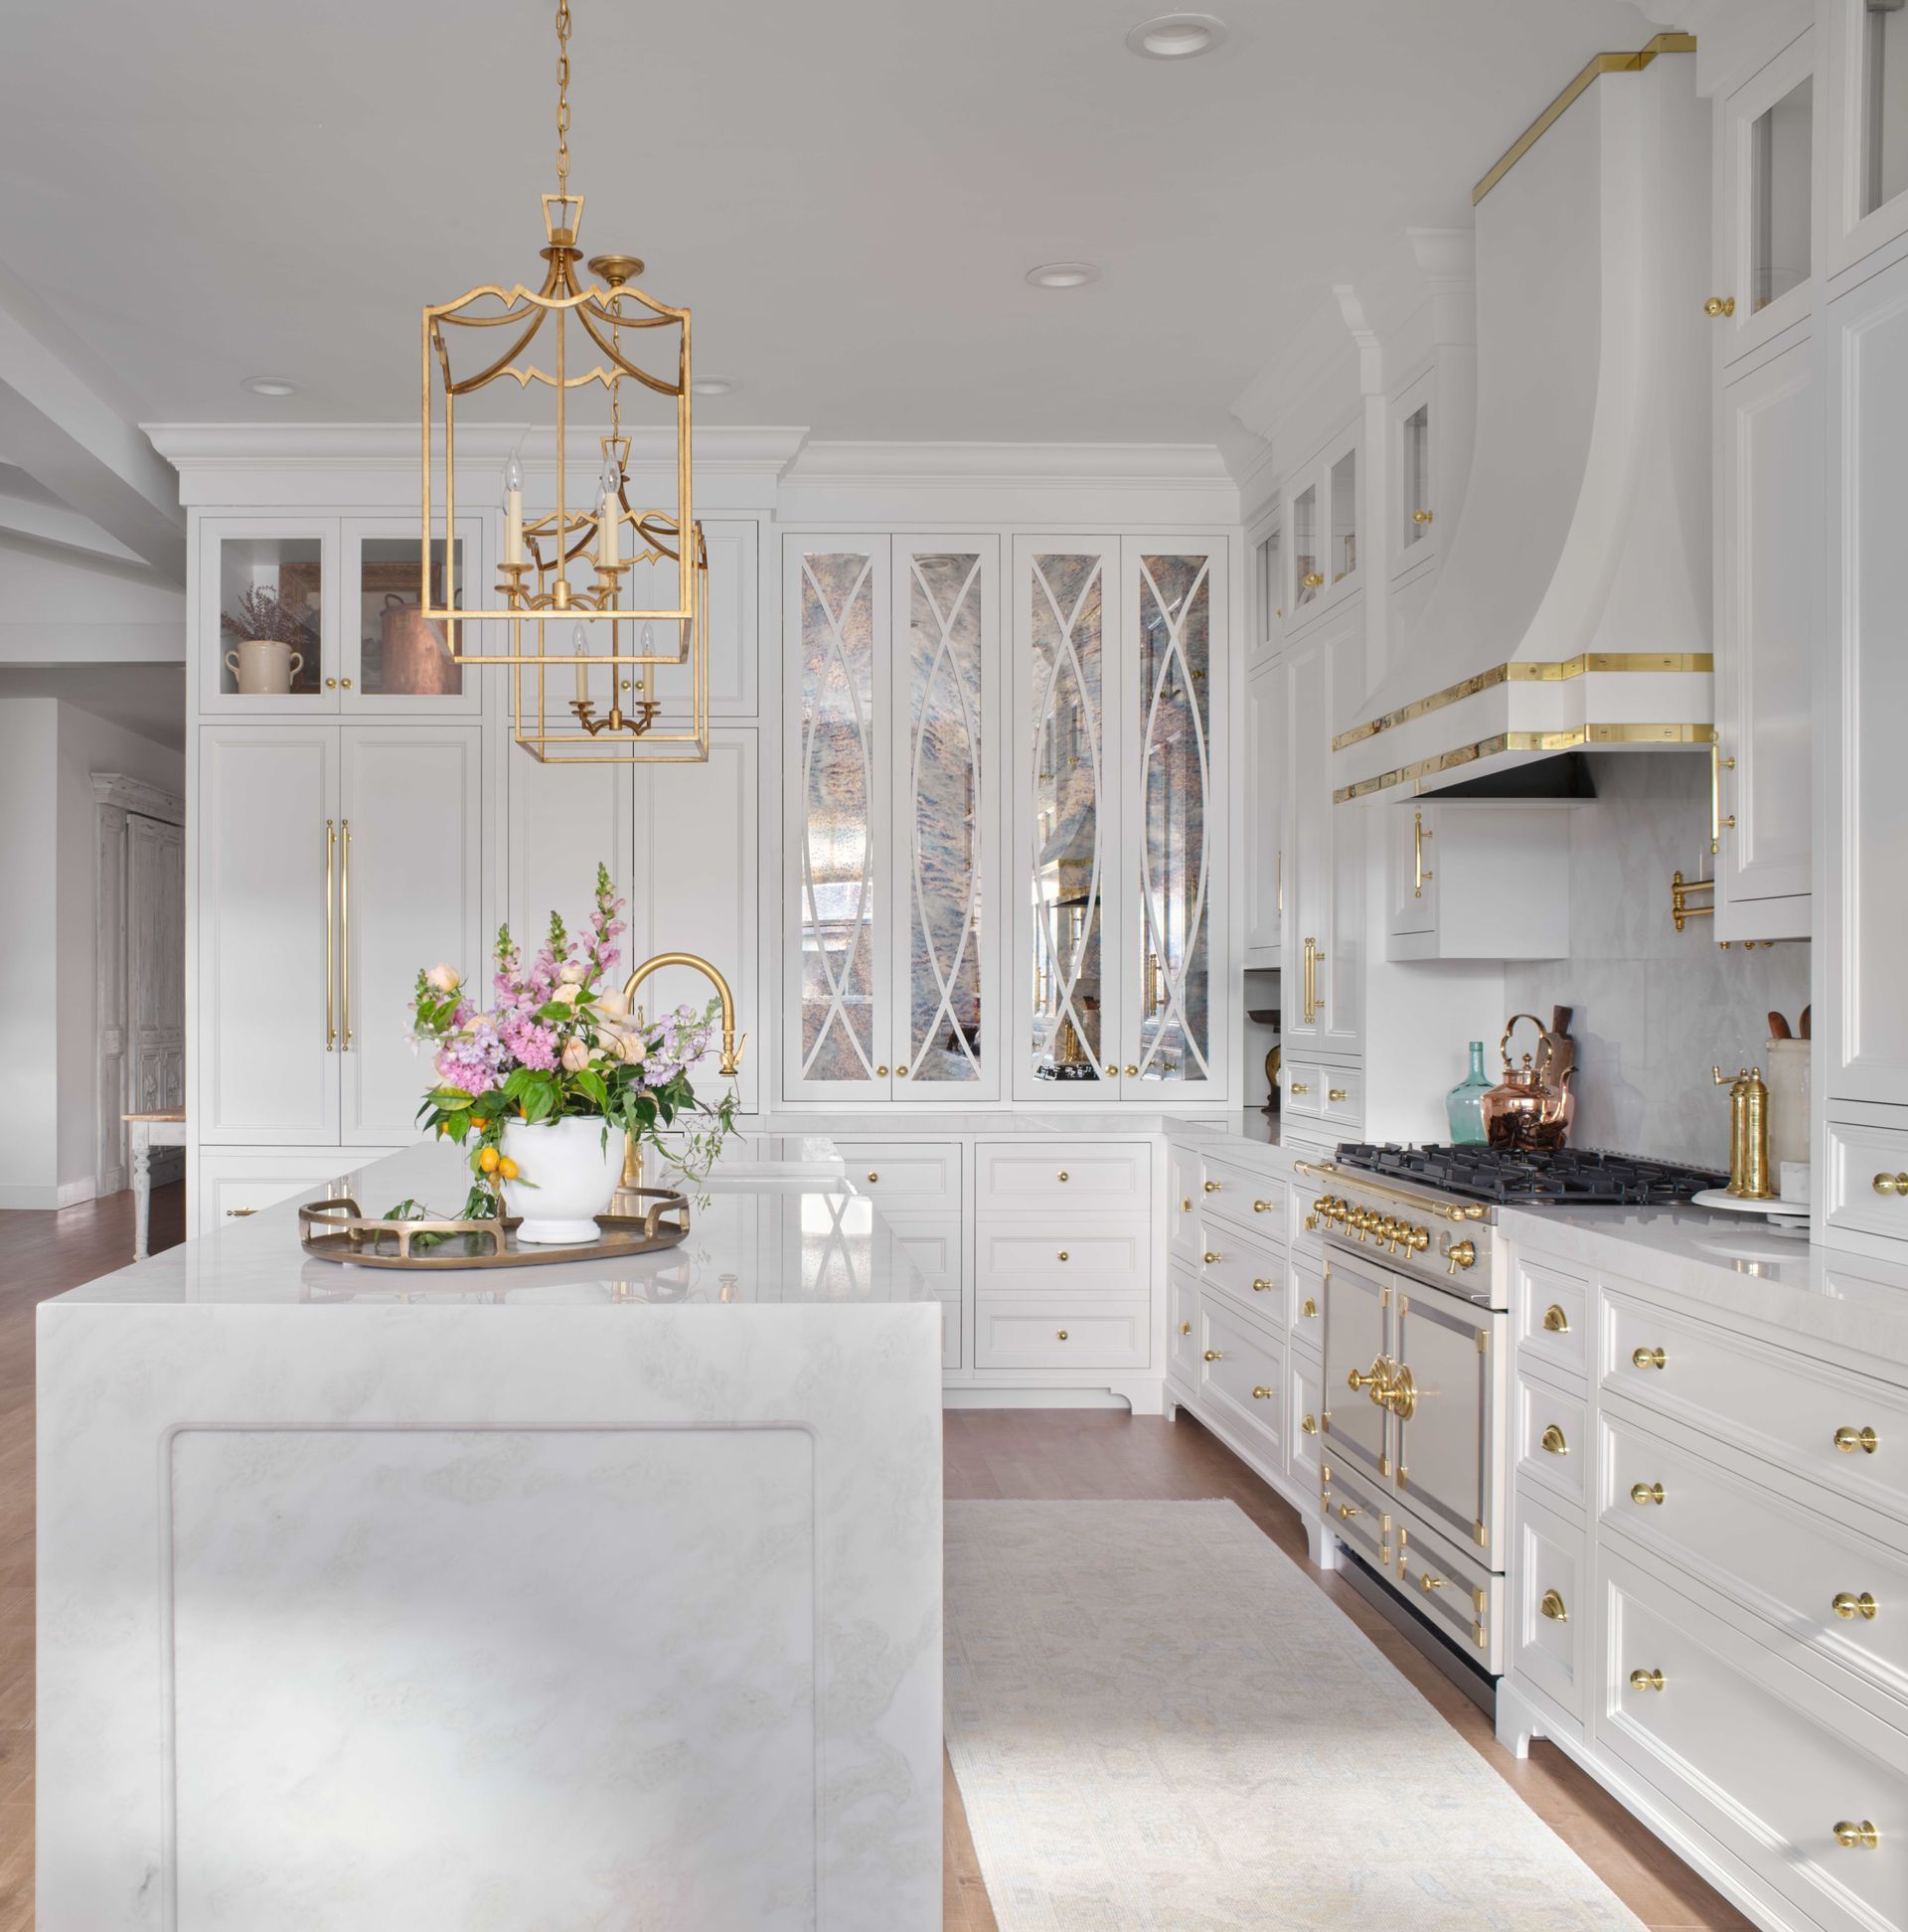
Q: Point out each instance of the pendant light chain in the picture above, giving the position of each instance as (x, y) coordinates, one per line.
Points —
(562, 97)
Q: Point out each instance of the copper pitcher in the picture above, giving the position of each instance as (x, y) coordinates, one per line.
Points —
(1532, 1106)
(415, 660)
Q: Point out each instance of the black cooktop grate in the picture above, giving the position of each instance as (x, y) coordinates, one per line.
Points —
(1567, 1176)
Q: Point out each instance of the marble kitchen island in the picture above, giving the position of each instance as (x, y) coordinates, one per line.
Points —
(513, 1599)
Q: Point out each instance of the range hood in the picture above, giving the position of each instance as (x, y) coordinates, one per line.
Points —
(1572, 607)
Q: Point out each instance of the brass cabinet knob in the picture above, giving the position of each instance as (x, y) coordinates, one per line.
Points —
(1062, 1255)
(1065, 1175)
(1214, 1355)
(1420, 515)
(1312, 579)
(1551, 1606)
(880, 1072)
(1261, 1394)
(1297, 1086)
(1346, 1511)
(1892, 1184)
(1649, 1357)
(1131, 1072)
(331, 684)
(1210, 1257)
(872, 1176)
(901, 1073)
(1212, 1187)
(1309, 1308)
(1646, 1492)
(1335, 1094)
(1719, 305)
(1848, 1440)
(1646, 1679)
(1853, 1837)
(1259, 1287)
(1061, 1332)
(1261, 1206)
(1553, 1441)
(1185, 1327)
(1555, 1320)
(1427, 1582)
(1310, 1425)
(1460, 1255)
(1112, 1072)
(1848, 1606)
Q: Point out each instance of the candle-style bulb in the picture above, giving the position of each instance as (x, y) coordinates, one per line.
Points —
(512, 473)
(580, 649)
(611, 480)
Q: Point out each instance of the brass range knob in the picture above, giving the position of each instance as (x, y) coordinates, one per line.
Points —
(1460, 1255)
(1848, 1606)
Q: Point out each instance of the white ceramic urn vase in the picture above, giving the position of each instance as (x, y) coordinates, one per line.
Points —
(567, 1172)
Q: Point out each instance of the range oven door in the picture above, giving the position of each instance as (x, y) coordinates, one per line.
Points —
(1358, 1344)
(1448, 1408)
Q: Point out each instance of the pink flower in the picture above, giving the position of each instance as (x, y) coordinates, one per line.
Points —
(534, 1046)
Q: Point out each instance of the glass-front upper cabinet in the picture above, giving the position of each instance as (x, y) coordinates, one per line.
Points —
(265, 616)
(1415, 514)
(1268, 590)
(1765, 203)
(1321, 515)
(1343, 476)
(1308, 575)
(393, 658)
(1883, 97)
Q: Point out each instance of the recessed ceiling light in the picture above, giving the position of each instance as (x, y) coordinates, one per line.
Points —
(714, 386)
(270, 386)
(1177, 36)
(1063, 274)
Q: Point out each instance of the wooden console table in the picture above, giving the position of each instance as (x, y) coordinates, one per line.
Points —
(147, 1131)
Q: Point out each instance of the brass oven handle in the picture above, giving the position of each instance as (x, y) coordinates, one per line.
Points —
(1436, 1210)
(1401, 1394)
(344, 935)
(331, 941)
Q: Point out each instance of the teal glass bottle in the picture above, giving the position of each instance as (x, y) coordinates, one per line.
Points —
(1464, 1104)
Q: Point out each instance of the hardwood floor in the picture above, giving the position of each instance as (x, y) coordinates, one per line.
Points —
(1033, 1453)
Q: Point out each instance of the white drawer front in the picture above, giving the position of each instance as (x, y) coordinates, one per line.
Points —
(936, 1252)
(1245, 1199)
(1794, 1759)
(1061, 1258)
(1358, 1513)
(1342, 1095)
(906, 1177)
(1016, 1177)
(1859, 1155)
(1549, 1602)
(1552, 1434)
(1552, 1314)
(1842, 1594)
(233, 1186)
(1242, 1378)
(1182, 1330)
(1841, 1429)
(1059, 1335)
(1305, 1086)
(1251, 1272)
(1304, 1401)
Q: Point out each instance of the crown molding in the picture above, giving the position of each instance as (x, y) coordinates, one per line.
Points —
(1144, 464)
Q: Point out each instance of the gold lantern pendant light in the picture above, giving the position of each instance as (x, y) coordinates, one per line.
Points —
(581, 588)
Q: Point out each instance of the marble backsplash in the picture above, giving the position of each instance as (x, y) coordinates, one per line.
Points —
(1653, 1009)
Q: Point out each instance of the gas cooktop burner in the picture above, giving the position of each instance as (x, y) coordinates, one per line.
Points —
(1567, 1175)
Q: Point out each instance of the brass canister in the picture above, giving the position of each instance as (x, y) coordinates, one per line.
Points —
(1748, 1133)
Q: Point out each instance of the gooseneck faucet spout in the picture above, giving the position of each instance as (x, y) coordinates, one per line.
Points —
(732, 1047)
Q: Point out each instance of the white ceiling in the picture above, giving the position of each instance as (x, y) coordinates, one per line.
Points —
(846, 192)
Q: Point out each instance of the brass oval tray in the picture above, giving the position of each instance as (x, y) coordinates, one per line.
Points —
(340, 1231)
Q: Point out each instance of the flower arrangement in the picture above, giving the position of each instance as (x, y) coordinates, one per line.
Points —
(559, 1042)
(260, 614)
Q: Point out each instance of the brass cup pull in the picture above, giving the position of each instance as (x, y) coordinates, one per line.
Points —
(1892, 1184)
(1262, 1394)
(1552, 1607)
(1646, 1679)
(1061, 1332)
(1719, 305)
(1848, 1606)
(1214, 1355)
(1261, 1287)
(1212, 1187)
(1335, 1094)
(1555, 1320)
(1062, 1255)
(1848, 1440)
(1310, 1425)
(1309, 1308)
(1646, 1492)
(1555, 1442)
(1185, 1327)
(1649, 1357)
(1261, 1206)
(1210, 1257)
(1852, 1837)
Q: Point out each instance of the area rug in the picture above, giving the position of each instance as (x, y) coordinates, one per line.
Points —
(1156, 1720)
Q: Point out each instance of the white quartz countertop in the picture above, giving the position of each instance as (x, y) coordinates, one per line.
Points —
(904, 1123)
(1250, 1128)
(763, 1231)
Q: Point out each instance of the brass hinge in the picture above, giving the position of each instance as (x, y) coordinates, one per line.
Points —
(1325, 1476)
(1480, 1601)
(1477, 1631)
(1385, 1465)
(1385, 1297)
(1402, 1474)
(1483, 1340)
(1325, 1423)
(1481, 1535)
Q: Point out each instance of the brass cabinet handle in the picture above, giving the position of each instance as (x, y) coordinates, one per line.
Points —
(1185, 1327)
(1401, 1394)
(1261, 1206)
(1418, 837)
(1062, 1255)
(1892, 1184)
(1309, 1308)
(1553, 1441)
(1261, 1394)
(1649, 1357)
(1214, 1355)
(1646, 1492)
(1848, 1440)
(1061, 1332)
(872, 1176)
(1853, 1837)
(1212, 1187)
(238, 1213)
(1646, 1679)
(331, 941)
(344, 935)
(1555, 1320)
(1552, 1607)
(1719, 305)
(1064, 1175)
(1299, 1086)
(1259, 1287)
(1420, 515)
(1848, 1606)
(1336, 1093)
(1310, 1425)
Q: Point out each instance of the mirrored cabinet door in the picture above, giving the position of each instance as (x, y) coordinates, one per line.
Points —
(266, 591)
(1068, 944)
(394, 658)
(1174, 592)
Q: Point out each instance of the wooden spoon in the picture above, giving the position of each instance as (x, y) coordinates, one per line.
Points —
(1778, 1026)
(1803, 1030)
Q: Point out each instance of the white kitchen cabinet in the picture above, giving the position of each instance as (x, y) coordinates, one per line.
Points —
(892, 816)
(1477, 879)
(1267, 736)
(1768, 579)
(1308, 847)
(390, 662)
(1265, 621)
(1864, 1029)
(1864, 105)
(1321, 517)
(1420, 479)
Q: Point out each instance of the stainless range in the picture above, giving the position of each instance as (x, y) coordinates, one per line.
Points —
(1415, 1474)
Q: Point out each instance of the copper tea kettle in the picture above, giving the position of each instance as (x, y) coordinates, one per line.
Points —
(1533, 1105)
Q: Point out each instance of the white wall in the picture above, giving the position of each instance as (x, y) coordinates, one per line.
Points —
(57, 608)
(1654, 1008)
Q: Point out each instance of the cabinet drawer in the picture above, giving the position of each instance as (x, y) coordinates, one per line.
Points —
(1183, 1330)
(1059, 1335)
(1303, 1399)
(1859, 1155)
(1252, 1201)
(235, 1187)
(1014, 1178)
(1847, 1431)
(1783, 1561)
(1343, 1094)
(1759, 1753)
(1063, 1258)
(936, 1249)
(906, 1177)
(1242, 1377)
(1552, 1314)
(1358, 1513)
(1251, 1272)
(1549, 1602)
(1552, 1435)
(1305, 1088)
